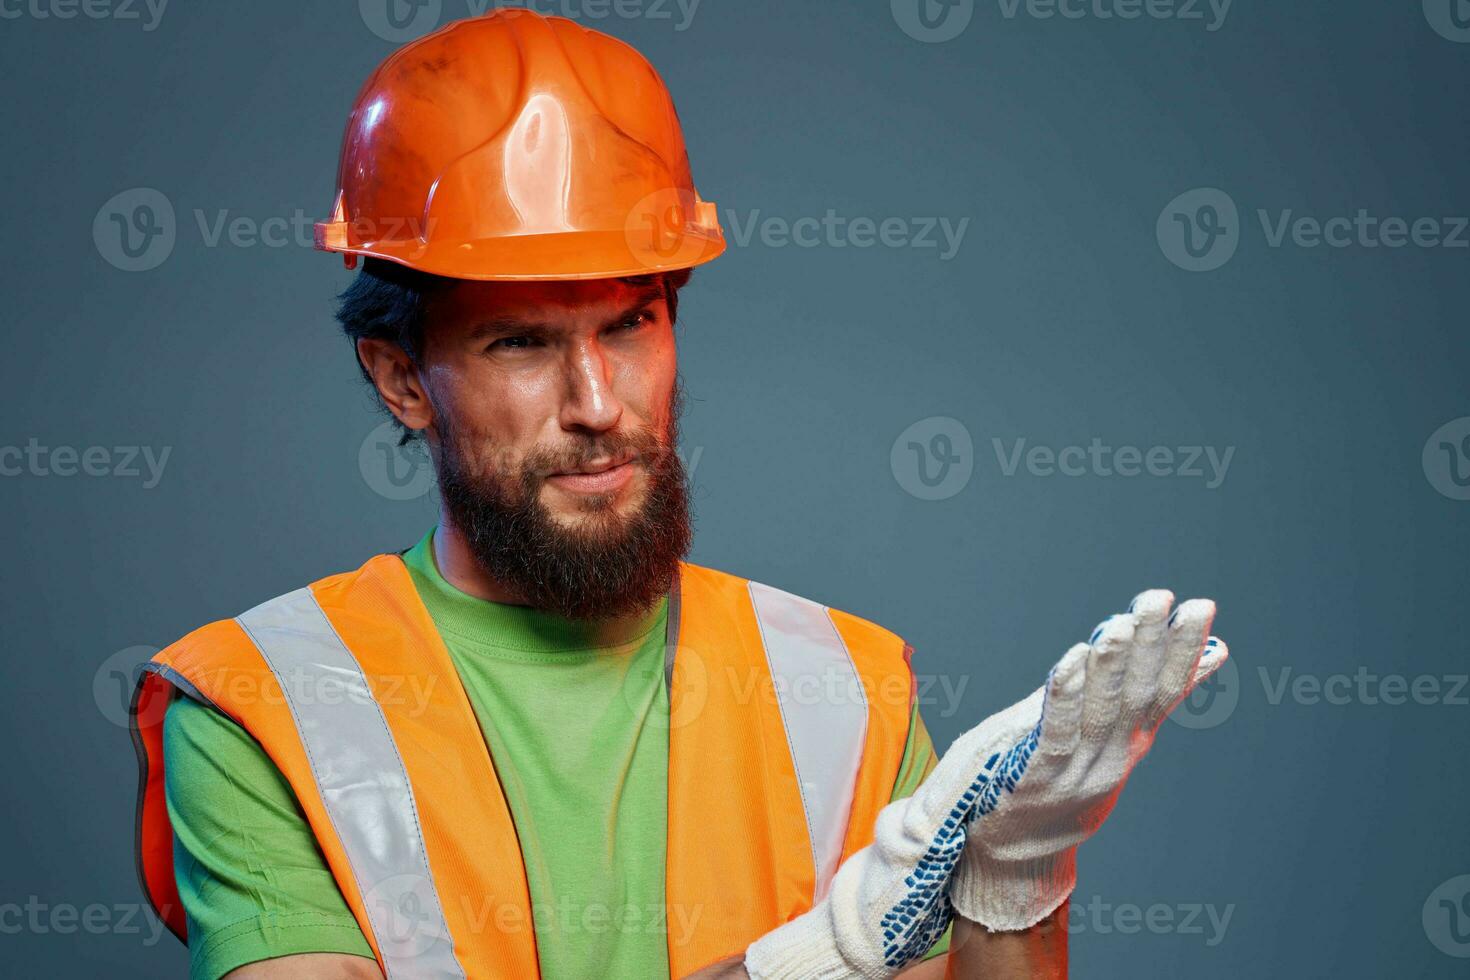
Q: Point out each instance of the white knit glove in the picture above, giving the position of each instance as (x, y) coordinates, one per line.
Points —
(1060, 758)
(1073, 740)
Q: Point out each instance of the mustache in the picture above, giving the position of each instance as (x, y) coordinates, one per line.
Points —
(641, 447)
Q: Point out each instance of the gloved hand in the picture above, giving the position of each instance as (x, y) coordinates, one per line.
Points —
(1008, 804)
(1098, 715)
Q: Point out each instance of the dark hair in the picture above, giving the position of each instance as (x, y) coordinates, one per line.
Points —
(388, 301)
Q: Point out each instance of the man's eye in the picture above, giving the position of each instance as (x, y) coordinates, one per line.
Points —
(513, 343)
(635, 321)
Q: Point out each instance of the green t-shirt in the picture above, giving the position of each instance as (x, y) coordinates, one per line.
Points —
(574, 715)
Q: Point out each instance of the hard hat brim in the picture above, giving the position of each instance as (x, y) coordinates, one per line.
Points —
(569, 255)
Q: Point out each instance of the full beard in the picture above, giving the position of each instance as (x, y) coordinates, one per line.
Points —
(607, 564)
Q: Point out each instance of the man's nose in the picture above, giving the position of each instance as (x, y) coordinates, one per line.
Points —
(590, 403)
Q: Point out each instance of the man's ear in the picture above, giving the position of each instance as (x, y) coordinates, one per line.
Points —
(397, 380)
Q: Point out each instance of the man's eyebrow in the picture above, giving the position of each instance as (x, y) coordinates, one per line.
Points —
(646, 295)
(641, 299)
(504, 324)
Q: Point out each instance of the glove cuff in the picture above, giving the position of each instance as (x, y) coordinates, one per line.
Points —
(1010, 895)
(803, 949)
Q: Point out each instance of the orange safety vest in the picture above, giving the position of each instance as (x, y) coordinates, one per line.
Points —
(787, 719)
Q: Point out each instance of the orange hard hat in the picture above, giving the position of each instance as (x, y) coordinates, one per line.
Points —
(514, 146)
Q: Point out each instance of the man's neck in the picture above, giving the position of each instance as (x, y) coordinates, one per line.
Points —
(458, 566)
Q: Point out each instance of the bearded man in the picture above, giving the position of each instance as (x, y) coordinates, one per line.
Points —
(539, 743)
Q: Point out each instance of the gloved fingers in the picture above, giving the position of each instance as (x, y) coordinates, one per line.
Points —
(1107, 665)
(1214, 657)
(1061, 717)
(1188, 628)
(1150, 623)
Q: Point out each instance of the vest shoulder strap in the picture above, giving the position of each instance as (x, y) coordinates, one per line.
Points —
(352, 694)
(787, 715)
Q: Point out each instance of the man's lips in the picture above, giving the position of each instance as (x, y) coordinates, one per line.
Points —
(599, 465)
(599, 476)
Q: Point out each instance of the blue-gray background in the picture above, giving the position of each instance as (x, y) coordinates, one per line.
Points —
(1330, 833)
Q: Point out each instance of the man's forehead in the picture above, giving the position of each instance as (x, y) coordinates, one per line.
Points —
(550, 301)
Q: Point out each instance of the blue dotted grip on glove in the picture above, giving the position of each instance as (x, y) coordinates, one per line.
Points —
(915, 924)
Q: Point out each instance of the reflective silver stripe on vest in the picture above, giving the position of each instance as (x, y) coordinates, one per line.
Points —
(825, 712)
(361, 779)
